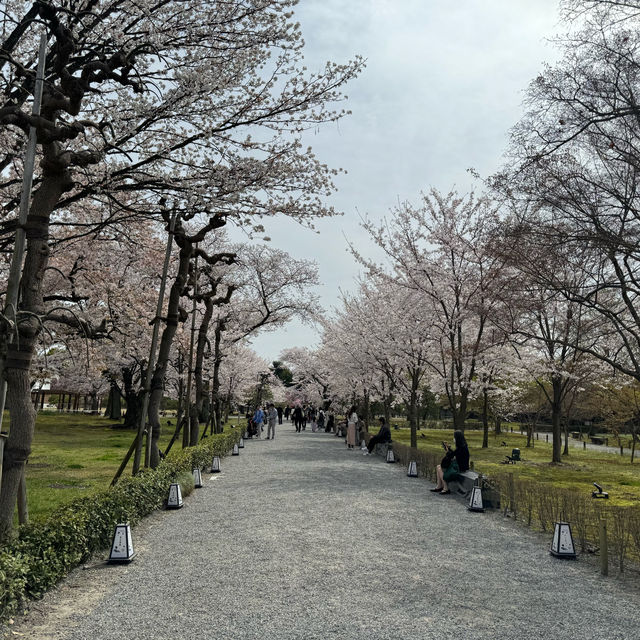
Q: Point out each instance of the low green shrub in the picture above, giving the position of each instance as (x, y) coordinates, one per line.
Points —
(45, 552)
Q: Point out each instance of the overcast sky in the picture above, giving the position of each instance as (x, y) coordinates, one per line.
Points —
(443, 85)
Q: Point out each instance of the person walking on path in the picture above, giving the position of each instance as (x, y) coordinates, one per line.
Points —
(279, 415)
(297, 419)
(258, 421)
(272, 416)
(331, 425)
(384, 435)
(352, 422)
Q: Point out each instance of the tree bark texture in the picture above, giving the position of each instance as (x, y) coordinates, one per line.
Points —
(19, 354)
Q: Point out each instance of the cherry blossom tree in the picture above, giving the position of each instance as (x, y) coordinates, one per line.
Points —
(439, 250)
(573, 176)
(143, 102)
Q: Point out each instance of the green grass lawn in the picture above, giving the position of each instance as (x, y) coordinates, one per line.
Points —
(75, 455)
(578, 470)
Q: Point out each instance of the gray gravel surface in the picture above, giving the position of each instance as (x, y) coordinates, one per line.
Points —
(299, 538)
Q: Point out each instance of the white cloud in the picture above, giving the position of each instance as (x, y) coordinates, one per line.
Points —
(443, 85)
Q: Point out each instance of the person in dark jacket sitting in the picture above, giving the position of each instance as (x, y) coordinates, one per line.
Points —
(445, 470)
(384, 435)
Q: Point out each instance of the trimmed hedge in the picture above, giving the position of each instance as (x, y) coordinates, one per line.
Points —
(44, 552)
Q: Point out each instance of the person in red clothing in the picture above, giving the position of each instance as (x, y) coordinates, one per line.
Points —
(446, 470)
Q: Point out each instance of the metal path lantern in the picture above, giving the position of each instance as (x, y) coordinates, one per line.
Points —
(122, 544)
(562, 544)
(215, 465)
(174, 501)
(197, 478)
(236, 450)
(390, 455)
(412, 471)
(241, 443)
(475, 501)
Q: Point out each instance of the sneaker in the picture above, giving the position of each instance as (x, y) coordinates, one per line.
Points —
(366, 453)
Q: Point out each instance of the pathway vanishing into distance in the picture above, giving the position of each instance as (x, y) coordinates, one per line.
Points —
(299, 538)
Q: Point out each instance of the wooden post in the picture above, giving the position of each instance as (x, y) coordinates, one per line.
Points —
(123, 464)
(584, 445)
(604, 552)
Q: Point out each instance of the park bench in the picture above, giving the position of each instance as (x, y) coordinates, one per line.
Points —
(597, 440)
(382, 447)
(463, 483)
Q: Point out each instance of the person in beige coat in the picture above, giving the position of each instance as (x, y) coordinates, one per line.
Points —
(352, 423)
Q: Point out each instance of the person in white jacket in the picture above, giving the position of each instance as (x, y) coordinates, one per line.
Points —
(272, 417)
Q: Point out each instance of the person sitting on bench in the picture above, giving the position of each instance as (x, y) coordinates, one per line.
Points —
(446, 470)
(384, 435)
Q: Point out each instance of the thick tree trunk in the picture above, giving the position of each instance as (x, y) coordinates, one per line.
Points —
(160, 371)
(413, 402)
(114, 402)
(94, 403)
(133, 398)
(565, 451)
(18, 356)
(386, 404)
(460, 413)
(18, 445)
(201, 391)
(366, 410)
(215, 381)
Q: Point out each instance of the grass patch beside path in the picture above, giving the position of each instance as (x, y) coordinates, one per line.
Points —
(577, 471)
(75, 455)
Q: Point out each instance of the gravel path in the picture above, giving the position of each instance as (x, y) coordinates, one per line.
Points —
(299, 538)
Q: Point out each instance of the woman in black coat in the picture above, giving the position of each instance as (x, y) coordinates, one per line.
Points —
(445, 470)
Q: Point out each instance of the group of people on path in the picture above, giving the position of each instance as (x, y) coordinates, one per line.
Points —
(317, 418)
(455, 461)
(255, 423)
